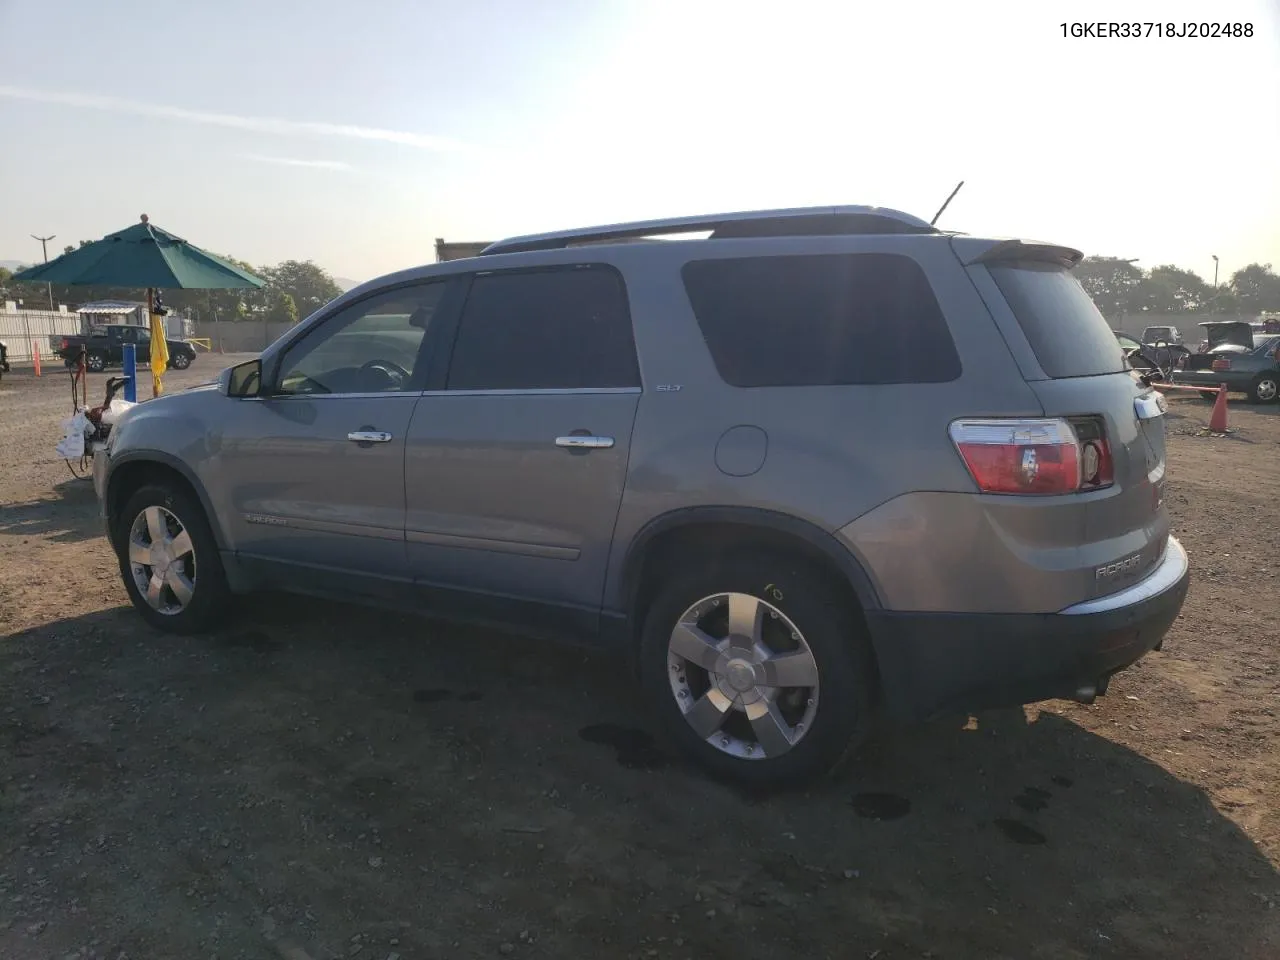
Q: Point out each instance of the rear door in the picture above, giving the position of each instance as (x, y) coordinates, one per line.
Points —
(1071, 360)
(514, 473)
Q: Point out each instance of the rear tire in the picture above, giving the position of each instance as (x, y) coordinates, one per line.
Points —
(181, 362)
(169, 560)
(95, 362)
(1265, 388)
(799, 612)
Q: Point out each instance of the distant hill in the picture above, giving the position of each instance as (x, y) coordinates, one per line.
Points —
(346, 284)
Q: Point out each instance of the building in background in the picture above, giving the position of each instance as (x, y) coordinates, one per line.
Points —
(458, 250)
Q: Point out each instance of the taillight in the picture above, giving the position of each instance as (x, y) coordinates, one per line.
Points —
(1222, 363)
(64, 343)
(1034, 456)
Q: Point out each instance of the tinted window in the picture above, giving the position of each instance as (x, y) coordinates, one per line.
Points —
(815, 320)
(545, 330)
(1068, 334)
(371, 346)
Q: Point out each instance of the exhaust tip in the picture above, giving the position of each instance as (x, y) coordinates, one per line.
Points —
(1085, 694)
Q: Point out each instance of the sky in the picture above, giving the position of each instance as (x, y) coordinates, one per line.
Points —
(354, 134)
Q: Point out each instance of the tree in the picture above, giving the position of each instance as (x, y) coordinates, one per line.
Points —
(1258, 288)
(1170, 289)
(310, 286)
(282, 309)
(1112, 283)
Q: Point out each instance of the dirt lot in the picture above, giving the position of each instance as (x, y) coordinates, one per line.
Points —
(321, 781)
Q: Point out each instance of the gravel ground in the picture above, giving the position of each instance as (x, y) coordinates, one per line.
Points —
(323, 781)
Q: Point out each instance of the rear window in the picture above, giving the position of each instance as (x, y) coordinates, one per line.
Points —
(1068, 334)
(821, 320)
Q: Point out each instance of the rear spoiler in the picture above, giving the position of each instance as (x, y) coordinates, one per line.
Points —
(1018, 250)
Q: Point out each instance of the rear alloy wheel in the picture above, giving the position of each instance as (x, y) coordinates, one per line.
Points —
(96, 362)
(169, 561)
(181, 361)
(1265, 388)
(758, 670)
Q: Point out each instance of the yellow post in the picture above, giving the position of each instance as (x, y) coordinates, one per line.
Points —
(159, 348)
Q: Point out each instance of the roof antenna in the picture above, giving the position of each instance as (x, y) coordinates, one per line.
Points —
(944, 205)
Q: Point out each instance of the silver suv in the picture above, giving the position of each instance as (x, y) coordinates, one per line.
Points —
(810, 466)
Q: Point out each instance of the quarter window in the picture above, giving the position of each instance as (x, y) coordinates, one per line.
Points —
(821, 320)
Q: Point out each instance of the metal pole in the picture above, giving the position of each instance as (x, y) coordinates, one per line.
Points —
(1215, 270)
(44, 246)
(130, 352)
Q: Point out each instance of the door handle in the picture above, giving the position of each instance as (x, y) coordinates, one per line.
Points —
(576, 442)
(369, 436)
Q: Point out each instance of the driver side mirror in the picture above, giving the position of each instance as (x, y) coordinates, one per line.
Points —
(242, 380)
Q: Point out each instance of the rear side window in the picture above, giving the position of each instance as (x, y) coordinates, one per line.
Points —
(821, 320)
(545, 330)
(1069, 336)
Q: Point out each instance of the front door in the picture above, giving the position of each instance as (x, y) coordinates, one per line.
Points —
(315, 468)
(514, 473)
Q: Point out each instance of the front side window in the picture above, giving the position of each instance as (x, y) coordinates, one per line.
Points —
(371, 346)
(545, 330)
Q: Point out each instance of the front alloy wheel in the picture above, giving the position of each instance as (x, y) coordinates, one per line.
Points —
(743, 676)
(1265, 388)
(162, 560)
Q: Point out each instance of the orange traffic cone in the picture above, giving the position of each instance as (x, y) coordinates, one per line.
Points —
(35, 356)
(1218, 419)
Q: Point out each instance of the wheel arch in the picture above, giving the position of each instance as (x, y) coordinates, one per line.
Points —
(719, 528)
(138, 467)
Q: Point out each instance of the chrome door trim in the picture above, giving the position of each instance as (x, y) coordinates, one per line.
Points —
(547, 392)
(578, 442)
(369, 436)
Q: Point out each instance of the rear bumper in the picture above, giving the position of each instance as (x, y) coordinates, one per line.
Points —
(934, 663)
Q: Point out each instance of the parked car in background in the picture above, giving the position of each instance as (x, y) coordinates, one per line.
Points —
(1219, 332)
(1156, 335)
(820, 465)
(104, 347)
(1247, 362)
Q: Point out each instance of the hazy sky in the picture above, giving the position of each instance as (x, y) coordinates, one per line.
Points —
(356, 133)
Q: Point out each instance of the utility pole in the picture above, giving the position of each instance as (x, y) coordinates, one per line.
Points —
(1215, 270)
(44, 246)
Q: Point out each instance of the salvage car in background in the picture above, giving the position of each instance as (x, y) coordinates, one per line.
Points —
(1247, 362)
(1153, 362)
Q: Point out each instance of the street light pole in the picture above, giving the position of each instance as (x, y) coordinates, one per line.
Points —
(1215, 270)
(44, 246)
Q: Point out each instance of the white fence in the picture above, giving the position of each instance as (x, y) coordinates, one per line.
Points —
(24, 330)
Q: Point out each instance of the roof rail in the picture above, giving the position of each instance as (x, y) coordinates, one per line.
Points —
(795, 222)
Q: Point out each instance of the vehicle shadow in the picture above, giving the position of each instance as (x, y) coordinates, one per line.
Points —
(70, 516)
(314, 771)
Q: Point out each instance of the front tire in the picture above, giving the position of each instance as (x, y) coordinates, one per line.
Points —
(169, 560)
(95, 362)
(757, 669)
(181, 362)
(1265, 388)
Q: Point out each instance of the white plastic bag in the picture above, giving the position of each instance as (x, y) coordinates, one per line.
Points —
(75, 429)
(117, 407)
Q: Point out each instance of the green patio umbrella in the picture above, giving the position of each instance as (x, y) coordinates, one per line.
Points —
(143, 255)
